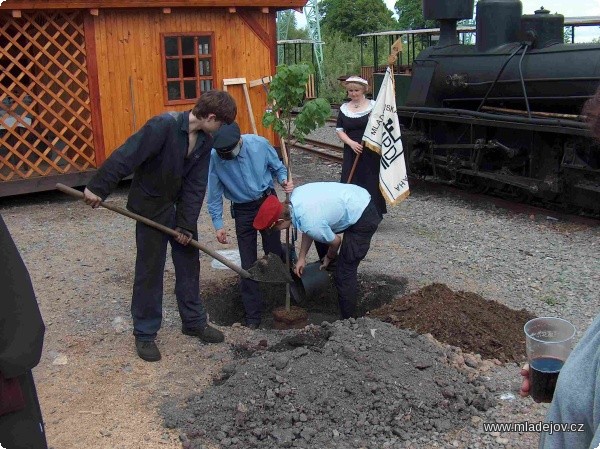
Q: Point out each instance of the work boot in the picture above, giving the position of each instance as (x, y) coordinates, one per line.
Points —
(207, 334)
(147, 350)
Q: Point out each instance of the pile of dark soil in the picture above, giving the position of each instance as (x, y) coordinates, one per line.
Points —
(461, 319)
(351, 384)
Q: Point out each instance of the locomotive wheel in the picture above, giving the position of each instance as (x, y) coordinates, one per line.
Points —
(523, 196)
(478, 187)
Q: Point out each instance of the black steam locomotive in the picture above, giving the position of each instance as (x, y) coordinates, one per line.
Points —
(504, 115)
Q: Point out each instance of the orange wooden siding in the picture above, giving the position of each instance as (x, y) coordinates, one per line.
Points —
(130, 64)
(77, 4)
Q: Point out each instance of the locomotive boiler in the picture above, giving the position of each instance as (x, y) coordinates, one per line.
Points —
(504, 115)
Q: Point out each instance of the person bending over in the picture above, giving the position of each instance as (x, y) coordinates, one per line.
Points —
(321, 211)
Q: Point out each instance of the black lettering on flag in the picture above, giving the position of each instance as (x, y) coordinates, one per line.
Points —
(388, 143)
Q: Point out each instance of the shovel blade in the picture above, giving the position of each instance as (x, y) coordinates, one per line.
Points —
(271, 269)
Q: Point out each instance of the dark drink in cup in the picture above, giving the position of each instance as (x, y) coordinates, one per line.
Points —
(543, 375)
(548, 341)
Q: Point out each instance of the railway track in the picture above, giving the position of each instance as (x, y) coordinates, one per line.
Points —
(321, 149)
(331, 121)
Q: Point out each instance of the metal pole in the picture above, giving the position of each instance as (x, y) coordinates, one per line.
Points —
(375, 55)
(362, 53)
(399, 60)
(314, 61)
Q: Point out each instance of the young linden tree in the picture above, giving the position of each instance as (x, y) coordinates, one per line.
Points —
(286, 93)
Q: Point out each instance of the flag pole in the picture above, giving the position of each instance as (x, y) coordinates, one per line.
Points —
(392, 58)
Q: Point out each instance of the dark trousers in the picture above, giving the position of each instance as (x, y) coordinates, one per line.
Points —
(247, 241)
(24, 429)
(355, 246)
(321, 248)
(146, 303)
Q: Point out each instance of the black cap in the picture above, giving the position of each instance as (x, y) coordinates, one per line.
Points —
(227, 136)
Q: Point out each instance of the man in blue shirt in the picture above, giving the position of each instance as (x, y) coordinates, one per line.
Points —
(242, 168)
(168, 158)
(321, 211)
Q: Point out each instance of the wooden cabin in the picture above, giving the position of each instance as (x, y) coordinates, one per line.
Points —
(77, 77)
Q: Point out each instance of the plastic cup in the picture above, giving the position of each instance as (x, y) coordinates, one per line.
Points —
(548, 341)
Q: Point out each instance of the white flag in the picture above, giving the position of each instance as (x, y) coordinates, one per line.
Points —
(382, 135)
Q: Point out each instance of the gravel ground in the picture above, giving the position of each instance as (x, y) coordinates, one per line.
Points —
(96, 393)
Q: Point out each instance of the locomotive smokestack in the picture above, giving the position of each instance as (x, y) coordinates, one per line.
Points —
(448, 13)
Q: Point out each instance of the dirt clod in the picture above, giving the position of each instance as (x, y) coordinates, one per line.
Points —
(294, 318)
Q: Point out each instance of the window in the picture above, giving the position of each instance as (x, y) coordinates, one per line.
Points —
(188, 66)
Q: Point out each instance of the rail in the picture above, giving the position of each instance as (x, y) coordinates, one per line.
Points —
(321, 149)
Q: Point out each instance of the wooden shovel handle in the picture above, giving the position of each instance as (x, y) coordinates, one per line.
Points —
(77, 194)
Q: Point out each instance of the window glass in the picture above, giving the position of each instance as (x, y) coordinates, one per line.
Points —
(188, 67)
(204, 67)
(171, 46)
(173, 90)
(187, 46)
(189, 89)
(204, 45)
(172, 68)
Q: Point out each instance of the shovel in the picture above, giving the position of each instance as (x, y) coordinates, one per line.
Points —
(269, 268)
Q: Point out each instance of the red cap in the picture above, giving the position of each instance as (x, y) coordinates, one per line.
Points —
(269, 213)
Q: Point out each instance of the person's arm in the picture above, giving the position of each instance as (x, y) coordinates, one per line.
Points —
(305, 244)
(332, 252)
(215, 202)
(193, 189)
(21, 325)
(142, 145)
(277, 169)
(355, 146)
(319, 230)
(91, 199)
(339, 129)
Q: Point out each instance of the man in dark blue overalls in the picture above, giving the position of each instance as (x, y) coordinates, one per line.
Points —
(242, 168)
(168, 158)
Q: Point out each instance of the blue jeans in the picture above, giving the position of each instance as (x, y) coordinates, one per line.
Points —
(146, 303)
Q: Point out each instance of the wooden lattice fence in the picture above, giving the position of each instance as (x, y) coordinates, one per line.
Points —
(45, 112)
